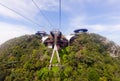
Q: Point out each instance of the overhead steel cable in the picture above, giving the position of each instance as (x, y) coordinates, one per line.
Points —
(42, 13)
(21, 15)
(59, 14)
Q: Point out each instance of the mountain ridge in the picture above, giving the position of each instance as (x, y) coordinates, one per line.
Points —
(86, 59)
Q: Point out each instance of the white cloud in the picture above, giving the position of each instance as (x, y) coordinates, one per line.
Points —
(19, 6)
(47, 5)
(113, 1)
(79, 12)
(77, 21)
(26, 8)
(8, 31)
(96, 1)
(96, 28)
(111, 31)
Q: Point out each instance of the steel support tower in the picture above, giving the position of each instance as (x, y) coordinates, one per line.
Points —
(55, 51)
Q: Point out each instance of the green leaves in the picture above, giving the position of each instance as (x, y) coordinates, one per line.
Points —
(87, 59)
(93, 75)
(43, 74)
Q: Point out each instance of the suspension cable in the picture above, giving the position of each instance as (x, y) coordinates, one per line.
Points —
(21, 15)
(59, 14)
(42, 13)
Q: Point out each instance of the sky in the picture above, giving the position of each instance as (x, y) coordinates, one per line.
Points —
(98, 16)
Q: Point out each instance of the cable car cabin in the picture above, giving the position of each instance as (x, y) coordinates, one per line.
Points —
(57, 38)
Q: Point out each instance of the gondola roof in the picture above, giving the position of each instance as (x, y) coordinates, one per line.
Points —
(80, 30)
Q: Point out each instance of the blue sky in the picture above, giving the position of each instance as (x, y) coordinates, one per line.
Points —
(98, 16)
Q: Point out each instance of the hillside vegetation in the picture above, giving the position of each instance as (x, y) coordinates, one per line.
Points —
(86, 59)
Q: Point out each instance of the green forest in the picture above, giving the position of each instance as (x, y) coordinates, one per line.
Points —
(86, 59)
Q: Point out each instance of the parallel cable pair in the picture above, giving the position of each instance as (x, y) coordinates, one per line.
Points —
(21, 15)
(46, 17)
(40, 12)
